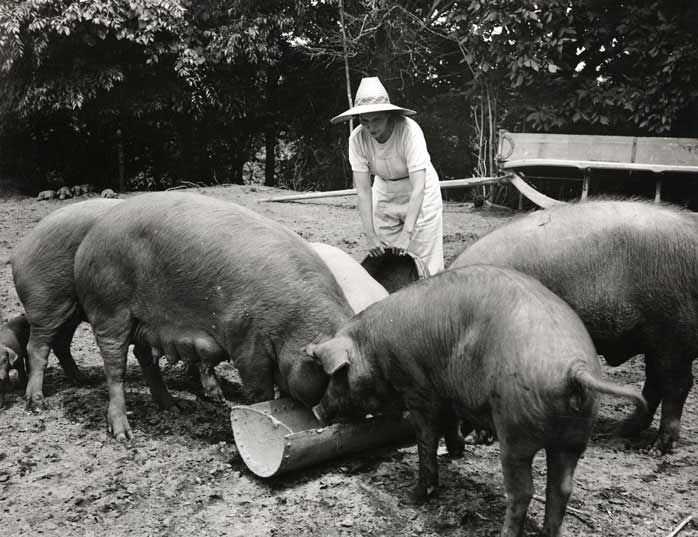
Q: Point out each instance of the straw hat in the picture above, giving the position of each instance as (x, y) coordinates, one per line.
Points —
(370, 97)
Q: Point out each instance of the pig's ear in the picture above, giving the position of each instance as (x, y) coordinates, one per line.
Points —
(311, 347)
(333, 356)
(13, 357)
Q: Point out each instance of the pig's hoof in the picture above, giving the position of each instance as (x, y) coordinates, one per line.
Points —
(663, 445)
(119, 428)
(421, 493)
(165, 401)
(122, 435)
(36, 402)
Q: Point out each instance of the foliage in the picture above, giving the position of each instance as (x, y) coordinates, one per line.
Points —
(183, 90)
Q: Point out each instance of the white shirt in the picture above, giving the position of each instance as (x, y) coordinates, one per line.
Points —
(401, 154)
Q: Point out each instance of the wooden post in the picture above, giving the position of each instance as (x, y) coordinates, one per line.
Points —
(585, 184)
(658, 191)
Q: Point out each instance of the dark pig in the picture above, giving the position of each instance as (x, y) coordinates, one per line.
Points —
(14, 335)
(42, 267)
(205, 280)
(484, 344)
(630, 271)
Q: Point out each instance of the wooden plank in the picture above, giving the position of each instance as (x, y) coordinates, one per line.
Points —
(525, 146)
(585, 184)
(531, 193)
(655, 154)
(451, 183)
(582, 164)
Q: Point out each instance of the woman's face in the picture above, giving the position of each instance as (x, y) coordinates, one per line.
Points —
(378, 125)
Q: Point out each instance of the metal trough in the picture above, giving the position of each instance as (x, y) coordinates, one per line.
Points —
(276, 436)
(394, 271)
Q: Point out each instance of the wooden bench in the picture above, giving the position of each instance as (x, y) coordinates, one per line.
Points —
(588, 153)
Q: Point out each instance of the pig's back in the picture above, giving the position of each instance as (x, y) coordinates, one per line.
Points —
(43, 260)
(190, 253)
(480, 311)
(597, 233)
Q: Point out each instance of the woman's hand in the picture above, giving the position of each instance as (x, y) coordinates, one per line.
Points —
(376, 246)
(402, 243)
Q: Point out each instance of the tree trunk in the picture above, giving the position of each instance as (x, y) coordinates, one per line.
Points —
(270, 132)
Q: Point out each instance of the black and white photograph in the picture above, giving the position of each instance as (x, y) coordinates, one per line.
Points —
(348, 268)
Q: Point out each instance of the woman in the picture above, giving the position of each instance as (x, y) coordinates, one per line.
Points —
(403, 210)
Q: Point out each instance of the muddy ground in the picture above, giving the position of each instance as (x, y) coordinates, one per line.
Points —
(60, 474)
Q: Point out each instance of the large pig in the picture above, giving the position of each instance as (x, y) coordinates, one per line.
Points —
(204, 280)
(630, 271)
(359, 287)
(488, 345)
(42, 267)
(14, 335)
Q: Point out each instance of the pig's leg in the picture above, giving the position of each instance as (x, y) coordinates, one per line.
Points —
(112, 335)
(652, 392)
(561, 464)
(61, 348)
(449, 425)
(256, 371)
(518, 484)
(151, 371)
(676, 383)
(208, 357)
(38, 348)
(427, 444)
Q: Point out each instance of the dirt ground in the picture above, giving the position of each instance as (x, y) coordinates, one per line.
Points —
(60, 474)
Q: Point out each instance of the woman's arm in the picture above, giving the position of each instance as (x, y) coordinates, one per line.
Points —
(414, 206)
(362, 182)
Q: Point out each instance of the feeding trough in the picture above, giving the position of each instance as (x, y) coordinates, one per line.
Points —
(395, 271)
(276, 436)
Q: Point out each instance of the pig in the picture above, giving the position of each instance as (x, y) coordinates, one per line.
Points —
(630, 270)
(108, 193)
(205, 280)
(485, 344)
(46, 195)
(76, 190)
(42, 268)
(14, 335)
(64, 193)
(360, 289)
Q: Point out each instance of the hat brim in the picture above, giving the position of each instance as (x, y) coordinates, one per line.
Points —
(369, 109)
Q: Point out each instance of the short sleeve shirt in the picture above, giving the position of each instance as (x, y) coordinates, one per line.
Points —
(401, 154)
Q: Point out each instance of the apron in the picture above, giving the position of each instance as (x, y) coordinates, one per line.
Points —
(390, 200)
